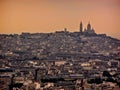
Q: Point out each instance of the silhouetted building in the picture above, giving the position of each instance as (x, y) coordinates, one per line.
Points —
(89, 30)
(81, 27)
(65, 29)
(89, 27)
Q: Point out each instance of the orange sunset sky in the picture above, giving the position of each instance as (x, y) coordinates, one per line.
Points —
(33, 16)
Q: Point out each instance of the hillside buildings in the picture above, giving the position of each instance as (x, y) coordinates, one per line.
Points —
(62, 60)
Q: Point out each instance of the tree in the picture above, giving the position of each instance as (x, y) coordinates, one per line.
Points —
(95, 80)
(106, 74)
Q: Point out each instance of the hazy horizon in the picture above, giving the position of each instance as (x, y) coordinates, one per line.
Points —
(44, 16)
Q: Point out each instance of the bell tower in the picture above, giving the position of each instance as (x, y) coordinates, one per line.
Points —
(81, 27)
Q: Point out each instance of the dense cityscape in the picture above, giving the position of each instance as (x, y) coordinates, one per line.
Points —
(62, 60)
